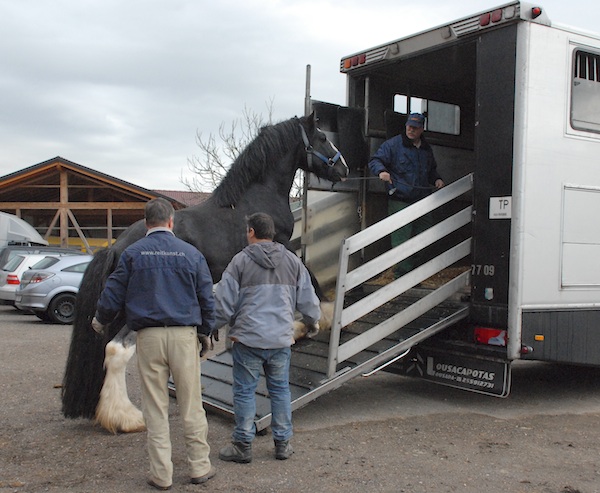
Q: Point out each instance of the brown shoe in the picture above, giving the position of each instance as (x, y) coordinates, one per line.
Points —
(158, 486)
(203, 479)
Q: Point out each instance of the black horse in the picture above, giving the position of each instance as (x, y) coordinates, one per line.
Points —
(259, 180)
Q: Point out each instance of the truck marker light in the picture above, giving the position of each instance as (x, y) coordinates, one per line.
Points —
(510, 12)
(497, 15)
(539, 337)
(536, 12)
(484, 20)
(355, 61)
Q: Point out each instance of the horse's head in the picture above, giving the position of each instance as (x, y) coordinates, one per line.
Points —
(322, 157)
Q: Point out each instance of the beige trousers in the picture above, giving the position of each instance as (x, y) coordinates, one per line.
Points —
(174, 350)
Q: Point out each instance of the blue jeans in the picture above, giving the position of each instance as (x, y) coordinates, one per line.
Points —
(247, 363)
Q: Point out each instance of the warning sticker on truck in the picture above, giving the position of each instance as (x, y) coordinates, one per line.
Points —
(500, 207)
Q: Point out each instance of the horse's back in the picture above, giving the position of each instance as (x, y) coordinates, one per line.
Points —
(220, 232)
(217, 232)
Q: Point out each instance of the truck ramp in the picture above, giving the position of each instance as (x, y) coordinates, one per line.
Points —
(309, 362)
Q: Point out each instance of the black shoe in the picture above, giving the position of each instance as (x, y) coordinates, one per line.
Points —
(158, 486)
(203, 479)
(283, 449)
(240, 452)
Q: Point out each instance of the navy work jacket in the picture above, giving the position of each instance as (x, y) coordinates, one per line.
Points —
(413, 170)
(160, 281)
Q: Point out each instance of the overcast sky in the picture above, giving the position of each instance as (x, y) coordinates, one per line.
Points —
(122, 86)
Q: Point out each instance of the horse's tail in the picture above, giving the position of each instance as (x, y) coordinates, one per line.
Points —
(318, 289)
(84, 373)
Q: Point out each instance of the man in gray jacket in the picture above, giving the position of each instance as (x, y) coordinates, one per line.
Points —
(257, 296)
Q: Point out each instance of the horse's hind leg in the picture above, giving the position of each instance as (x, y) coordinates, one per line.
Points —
(115, 412)
(304, 331)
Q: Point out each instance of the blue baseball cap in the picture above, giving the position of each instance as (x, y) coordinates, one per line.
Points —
(415, 120)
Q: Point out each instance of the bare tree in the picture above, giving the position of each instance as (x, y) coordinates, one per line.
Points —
(217, 154)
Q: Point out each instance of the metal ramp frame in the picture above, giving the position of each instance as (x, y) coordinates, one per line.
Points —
(368, 331)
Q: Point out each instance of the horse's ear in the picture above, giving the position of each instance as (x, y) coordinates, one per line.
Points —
(312, 121)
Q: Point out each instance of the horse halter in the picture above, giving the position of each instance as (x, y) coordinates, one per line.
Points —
(311, 152)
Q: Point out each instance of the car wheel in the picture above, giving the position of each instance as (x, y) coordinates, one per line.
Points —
(62, 309)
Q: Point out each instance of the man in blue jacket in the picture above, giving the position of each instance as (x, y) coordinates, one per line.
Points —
(407, 165)
(257, 296)
(164, 287)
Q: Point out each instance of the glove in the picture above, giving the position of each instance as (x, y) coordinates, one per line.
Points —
(97, 326)
(206, 344)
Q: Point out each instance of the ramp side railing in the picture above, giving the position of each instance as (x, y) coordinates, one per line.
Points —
(346, 281)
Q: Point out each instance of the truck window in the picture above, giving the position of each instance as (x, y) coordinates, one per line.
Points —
(405, 104)
(443, 118)
(585, 96)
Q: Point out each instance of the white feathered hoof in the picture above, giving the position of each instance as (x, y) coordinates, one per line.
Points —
(300, 330)
(115, 412)
(308, 331)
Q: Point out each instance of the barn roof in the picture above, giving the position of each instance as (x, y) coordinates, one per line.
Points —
(39, 182)
(187, 198)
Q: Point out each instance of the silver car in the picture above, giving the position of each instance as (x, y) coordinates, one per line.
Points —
(50, 287)
(11, 273)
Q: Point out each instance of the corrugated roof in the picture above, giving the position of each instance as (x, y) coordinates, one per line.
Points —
(187, 198)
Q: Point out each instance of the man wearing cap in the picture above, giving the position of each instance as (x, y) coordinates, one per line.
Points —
(407, 165)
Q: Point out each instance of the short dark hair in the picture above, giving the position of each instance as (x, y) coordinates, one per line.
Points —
(262, 224)
(158, 211)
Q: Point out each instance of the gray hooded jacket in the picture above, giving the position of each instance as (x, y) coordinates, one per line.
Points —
(259, 293)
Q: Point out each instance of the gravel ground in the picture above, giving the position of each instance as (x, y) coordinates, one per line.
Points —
(381, 434)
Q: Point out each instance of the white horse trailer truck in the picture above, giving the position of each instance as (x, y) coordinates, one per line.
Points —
(512, 105)
(513, 114)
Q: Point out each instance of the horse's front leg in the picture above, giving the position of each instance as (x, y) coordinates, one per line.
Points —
(115, 412)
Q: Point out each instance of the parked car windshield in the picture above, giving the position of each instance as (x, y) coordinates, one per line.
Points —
(13, 263)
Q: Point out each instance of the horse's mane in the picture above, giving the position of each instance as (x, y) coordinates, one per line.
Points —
(256, 160)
